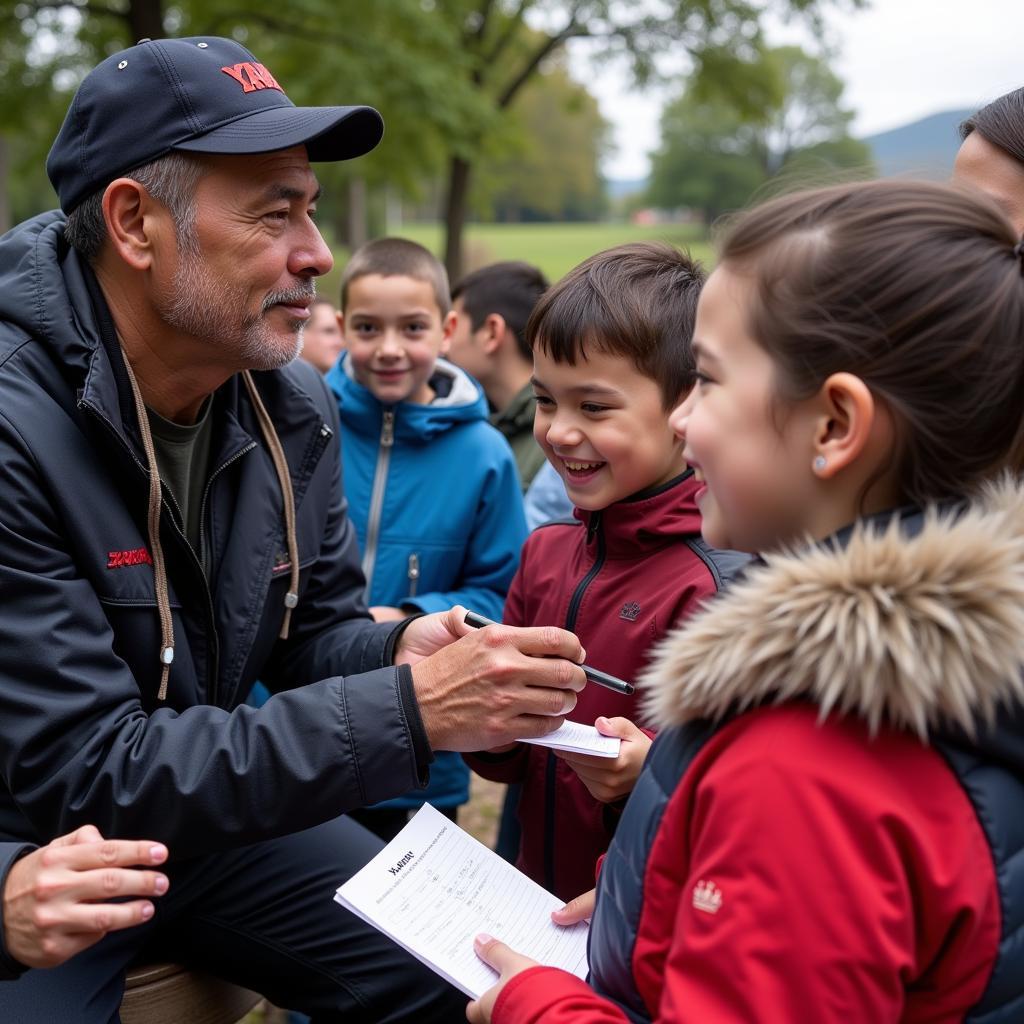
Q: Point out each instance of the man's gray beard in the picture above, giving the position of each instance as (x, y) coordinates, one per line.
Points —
(203, 309)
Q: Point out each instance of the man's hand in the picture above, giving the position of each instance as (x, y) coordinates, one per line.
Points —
(507, 962)
(429, 634)
(57, 899)
(482, 688)
(609, 779)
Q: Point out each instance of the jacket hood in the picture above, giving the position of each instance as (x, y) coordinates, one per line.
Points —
(646, 521)
(40, 279)
(460, 399)
(919, 628)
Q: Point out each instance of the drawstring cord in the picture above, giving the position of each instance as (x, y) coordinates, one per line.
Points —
(163, 601)
(291, 599)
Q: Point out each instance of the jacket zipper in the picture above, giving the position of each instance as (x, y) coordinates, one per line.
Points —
(213, 644)
(380, 482)
(413, 573)
(550, 786)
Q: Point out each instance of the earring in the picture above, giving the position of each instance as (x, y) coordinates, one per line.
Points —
(819, 463)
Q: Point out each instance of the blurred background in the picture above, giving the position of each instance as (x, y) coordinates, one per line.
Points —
(545, 130)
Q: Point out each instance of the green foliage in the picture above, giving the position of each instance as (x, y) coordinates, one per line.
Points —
(550, 167)
(715, 155)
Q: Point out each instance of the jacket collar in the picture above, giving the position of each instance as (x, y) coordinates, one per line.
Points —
(915, 622)
(517, 416)
(636, 526)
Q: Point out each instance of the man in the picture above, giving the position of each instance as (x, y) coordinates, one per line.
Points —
(493, 305)
(173, 528)
(322, 340)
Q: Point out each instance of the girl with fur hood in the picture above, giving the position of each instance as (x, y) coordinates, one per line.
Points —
(830, 825)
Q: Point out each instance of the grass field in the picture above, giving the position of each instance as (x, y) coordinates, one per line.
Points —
(555, 248)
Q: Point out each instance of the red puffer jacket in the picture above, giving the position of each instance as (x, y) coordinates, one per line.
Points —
(619, 579)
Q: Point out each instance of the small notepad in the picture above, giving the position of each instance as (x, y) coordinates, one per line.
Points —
(579, 739)
(433, 888)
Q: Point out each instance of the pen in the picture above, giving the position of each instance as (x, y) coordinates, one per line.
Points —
(595, 675)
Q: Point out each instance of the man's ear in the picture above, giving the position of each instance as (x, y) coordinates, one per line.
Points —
(494, 332)
(135, 222)
(447, 330)
(847, 422)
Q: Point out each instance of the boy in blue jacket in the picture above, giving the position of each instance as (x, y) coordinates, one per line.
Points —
(432, 488)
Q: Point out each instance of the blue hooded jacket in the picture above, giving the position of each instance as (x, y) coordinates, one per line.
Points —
(435, 499)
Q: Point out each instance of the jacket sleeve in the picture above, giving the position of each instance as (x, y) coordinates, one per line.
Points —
(493, 541)
(9, 853)
(554, 997)
(77, 745)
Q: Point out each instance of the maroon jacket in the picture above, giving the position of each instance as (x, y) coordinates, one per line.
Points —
(619, 579)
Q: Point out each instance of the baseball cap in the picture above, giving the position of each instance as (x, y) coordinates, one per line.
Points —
(200, 94)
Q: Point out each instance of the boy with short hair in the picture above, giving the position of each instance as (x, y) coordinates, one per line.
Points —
(493, 305)
(432, 488)
(612, 358)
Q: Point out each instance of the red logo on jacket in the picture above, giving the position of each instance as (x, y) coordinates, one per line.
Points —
(252, 77)
(121, 559)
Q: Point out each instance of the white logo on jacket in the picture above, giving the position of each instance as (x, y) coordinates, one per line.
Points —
(707, 897)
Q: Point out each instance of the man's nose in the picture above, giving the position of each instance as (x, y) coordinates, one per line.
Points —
(310, 256)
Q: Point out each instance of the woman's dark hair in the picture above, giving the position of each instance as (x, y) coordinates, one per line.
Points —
(1001, 122)
(637, 300)
(917, 289)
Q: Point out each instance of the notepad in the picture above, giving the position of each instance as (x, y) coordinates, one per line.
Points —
(579, 739)
(433, 888)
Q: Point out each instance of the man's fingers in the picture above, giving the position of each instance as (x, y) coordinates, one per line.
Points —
(544, 642)
(579, 909)
(113, 853)
(100, 918)
(528, 727)
(84, 834)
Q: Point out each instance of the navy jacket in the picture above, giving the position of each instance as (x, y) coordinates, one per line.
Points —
(84, 738)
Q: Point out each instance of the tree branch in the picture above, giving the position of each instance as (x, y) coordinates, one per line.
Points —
(549, 46)
(512, 26)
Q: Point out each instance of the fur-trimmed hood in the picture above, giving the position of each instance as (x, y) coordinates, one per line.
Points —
(915, 622)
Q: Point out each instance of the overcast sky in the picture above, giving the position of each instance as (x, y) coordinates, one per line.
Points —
(900, 60)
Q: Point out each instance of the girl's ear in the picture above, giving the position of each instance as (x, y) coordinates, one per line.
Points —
(847, 423)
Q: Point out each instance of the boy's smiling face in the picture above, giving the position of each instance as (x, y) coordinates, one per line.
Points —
(394, 333)
(602, 425)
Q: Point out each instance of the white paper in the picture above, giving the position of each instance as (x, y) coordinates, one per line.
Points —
(433, 888)
(579, 739)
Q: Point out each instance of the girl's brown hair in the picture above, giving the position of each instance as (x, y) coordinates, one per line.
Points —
(917, 289)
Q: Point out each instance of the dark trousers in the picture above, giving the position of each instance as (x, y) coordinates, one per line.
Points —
(262, 916)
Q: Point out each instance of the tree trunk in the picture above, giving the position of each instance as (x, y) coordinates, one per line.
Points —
(455, 216)
(145, 19)
(5, 179)
(357, 215)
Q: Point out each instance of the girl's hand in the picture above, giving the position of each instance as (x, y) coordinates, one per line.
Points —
(610, 779)
(507, 962)
(579, 909)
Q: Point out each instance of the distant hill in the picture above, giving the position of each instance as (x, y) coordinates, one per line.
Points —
(622, 188)
(924, 148)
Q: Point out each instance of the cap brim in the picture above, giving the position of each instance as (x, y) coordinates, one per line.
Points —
(328, 133)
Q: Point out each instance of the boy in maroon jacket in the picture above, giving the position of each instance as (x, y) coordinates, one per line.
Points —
(612, 358)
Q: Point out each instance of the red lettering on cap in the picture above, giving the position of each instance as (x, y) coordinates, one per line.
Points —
(252, 77)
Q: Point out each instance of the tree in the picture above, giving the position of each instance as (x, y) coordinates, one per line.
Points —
(722, 36)
(549, 165)
(714, 156)
(399, 56)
